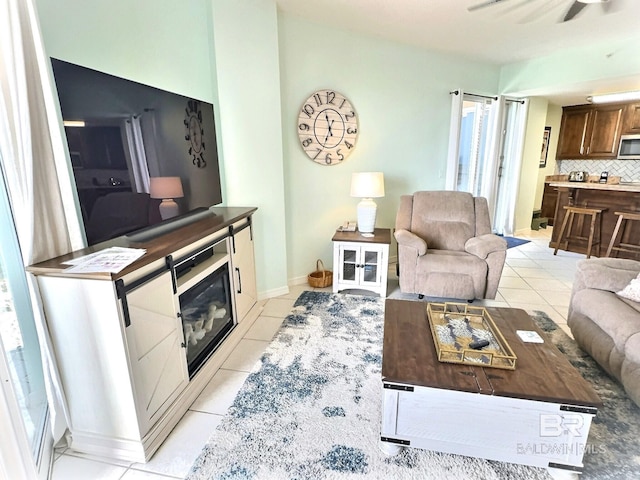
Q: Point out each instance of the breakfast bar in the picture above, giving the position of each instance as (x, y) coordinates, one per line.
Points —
(612, 198)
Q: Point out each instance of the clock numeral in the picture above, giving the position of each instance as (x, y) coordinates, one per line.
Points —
(317, 98)
(352, 130)
(307, 142)
(349, 115)
(340, 156)
(327, 159)
(349, 145)
(308, 109)
(304, 127)
(331, 97)
(319, 152)
(344, 100)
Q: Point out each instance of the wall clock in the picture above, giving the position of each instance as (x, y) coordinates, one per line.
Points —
(327, 127)
(193, 124)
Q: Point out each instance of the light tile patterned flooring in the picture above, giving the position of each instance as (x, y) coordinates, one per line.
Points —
(533, 279)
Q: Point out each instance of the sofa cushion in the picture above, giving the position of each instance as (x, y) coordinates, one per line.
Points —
(612, 274)
(615, 317)
(456, 269)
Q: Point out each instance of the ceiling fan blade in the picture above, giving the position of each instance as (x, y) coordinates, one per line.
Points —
(484, 4)
(574, 10)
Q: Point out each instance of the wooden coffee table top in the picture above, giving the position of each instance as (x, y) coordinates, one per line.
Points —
(542, 372)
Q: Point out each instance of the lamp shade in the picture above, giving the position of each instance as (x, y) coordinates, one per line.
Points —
(165, 187)
(367, 185)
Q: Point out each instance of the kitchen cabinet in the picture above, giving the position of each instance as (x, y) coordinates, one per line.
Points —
(590, 131)
(631, 123)
(549, 201)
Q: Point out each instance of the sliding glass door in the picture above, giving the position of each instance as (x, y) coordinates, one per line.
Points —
(485, 152)
(23, 390)
(474, 153)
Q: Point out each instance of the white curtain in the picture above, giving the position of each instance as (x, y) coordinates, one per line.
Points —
(28, 140)
(137, 154)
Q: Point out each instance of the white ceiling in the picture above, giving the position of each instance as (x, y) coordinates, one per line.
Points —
(506, 32)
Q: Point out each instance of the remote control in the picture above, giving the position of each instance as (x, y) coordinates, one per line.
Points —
(478, 344)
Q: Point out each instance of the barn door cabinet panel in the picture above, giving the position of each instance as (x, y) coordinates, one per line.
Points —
(590, 132)
(155, 345)
(243, 275)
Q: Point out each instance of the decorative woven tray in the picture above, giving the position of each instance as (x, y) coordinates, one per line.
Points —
(455, 325)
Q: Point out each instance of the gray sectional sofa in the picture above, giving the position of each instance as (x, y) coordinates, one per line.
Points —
(606, 325)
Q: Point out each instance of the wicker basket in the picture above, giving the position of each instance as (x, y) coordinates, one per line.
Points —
(320, 278)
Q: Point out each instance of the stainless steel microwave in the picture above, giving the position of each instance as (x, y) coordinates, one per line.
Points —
(629, 148)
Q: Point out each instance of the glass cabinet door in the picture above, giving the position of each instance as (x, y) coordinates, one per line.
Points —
(371, 259)
(349, 262)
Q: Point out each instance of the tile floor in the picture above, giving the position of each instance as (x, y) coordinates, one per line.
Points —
(533, 279)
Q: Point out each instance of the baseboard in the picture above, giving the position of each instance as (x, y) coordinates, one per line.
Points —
(274, 292)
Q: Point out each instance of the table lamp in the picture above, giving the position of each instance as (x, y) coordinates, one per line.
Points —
(367, 185)
(166, 188)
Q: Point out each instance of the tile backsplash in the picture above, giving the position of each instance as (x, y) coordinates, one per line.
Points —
(628, 170)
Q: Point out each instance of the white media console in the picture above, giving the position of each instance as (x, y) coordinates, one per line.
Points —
(119, 339)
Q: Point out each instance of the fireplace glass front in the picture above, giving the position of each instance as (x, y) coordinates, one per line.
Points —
(207, 316)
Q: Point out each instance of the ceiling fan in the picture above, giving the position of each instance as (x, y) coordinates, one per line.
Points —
(576, 6)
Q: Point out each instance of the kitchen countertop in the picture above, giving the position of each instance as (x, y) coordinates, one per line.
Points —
(622, 187)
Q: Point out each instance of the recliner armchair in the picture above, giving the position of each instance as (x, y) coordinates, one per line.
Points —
(446, 248)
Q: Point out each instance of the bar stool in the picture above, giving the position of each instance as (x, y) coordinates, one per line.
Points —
(618, 245)
(565, 233)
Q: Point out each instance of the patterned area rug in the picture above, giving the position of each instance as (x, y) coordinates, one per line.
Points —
(311, 409)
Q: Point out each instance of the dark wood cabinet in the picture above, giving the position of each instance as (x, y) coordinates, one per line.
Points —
(590, 131)
(573, 132)
(549, 201)
(631, 124)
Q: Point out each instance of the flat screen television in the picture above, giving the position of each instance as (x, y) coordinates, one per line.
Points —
(143, 159)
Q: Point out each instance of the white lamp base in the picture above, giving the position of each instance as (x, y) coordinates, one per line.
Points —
(168, 208)
(367, 215)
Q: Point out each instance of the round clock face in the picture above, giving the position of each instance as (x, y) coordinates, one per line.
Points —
(327, 127)
(193, 125)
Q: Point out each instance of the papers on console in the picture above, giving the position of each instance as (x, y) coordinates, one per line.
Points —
(110, 260)
(529, 336)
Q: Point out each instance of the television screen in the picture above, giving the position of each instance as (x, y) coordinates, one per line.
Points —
(141, 156)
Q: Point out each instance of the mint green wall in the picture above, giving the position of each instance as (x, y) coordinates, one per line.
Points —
(163, 43)
(248, 76)
(401, 96)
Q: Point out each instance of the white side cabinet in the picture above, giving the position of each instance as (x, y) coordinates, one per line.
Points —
(361, 262)
(120, 340)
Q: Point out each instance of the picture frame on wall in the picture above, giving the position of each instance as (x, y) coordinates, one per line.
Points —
(545, 147)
